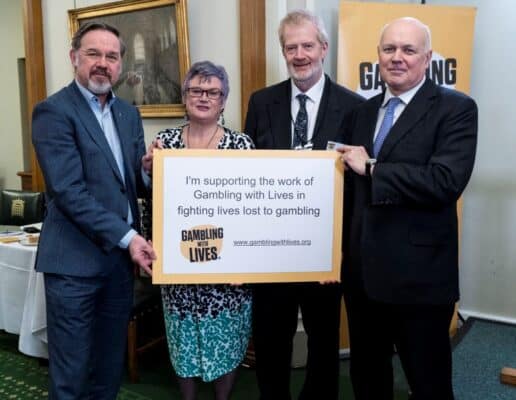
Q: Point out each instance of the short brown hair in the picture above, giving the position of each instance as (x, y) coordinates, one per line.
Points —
(93, 26)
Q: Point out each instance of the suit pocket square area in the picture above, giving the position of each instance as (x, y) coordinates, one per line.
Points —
(424, 236)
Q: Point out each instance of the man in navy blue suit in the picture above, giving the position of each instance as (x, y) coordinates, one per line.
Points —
(90, 147)
(400, 267)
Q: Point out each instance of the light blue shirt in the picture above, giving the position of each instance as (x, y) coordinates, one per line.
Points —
(405, 98)
(105, 120)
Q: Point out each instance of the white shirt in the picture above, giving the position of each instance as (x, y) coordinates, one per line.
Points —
(312, 105)
(405, 98)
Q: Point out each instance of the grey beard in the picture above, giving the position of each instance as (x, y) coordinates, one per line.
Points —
(99, 89)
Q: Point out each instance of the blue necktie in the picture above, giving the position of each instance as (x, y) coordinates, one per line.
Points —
(301, 123)
(386, 125)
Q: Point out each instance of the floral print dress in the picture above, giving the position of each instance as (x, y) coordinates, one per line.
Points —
(208, 326)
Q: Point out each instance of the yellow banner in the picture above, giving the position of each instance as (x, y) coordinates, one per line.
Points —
(360, 25)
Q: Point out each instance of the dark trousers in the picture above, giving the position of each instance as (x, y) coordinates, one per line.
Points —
(87, 322)
(419, 333)
(275, 317)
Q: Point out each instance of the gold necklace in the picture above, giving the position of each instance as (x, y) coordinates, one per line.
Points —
(209, 142)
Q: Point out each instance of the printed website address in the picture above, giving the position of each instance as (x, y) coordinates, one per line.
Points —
(271, 243)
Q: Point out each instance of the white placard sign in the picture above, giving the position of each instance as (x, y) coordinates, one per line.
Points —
(247, 216)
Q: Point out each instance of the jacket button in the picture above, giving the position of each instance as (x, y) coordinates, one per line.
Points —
(122, 190)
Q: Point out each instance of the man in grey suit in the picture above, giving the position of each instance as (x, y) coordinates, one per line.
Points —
(410, 155)
(90, 147)
(303, 112)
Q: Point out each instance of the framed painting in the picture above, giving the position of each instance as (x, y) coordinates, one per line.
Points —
(156, 60)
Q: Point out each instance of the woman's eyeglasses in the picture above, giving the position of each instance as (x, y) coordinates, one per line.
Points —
(213, 94)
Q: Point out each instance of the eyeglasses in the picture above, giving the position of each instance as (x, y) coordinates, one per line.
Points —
(213, 94)
(96, 55)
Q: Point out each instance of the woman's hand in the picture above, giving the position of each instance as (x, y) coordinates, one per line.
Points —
(148, 157)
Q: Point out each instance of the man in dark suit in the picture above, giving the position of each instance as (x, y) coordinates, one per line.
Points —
(276, 119)
(400, 269)
(90, 147)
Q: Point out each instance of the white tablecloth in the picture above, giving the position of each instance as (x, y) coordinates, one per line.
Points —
(22, 298)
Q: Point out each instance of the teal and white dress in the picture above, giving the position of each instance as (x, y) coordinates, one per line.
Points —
(208, 326)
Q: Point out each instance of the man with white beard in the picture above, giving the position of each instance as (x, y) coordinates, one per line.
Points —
(306, 111)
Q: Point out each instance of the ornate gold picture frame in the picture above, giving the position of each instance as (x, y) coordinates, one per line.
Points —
(157, 57)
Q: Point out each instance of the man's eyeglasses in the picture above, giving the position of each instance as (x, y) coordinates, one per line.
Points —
(96, 55)
(213, 94)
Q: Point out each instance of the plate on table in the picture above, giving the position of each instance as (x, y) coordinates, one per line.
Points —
(32, 228)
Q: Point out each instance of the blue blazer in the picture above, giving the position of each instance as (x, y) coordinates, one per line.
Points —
(87, 199)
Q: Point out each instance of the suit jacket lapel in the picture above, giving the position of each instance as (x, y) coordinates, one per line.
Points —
(329, 115)
(415, 110)
(92, 126)
(370, 116)
(280, 117)
(125, 141)
(128, 149)
(326, 106)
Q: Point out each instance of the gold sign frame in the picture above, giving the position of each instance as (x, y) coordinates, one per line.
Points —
(162, 174)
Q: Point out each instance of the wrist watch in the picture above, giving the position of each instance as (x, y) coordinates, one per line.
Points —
(368, 166)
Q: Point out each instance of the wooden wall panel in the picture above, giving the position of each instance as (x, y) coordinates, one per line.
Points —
(252, 50)
(35, 73)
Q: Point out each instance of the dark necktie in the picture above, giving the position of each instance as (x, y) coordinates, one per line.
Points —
(386, 125)
(301, 123)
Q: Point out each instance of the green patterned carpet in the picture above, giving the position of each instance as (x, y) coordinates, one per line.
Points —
(20, 377)
(480, 350)
(25, 378)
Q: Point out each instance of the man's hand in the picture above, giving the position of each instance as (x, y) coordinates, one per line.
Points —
(354, 157)
(142, 253)
(148, 157)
